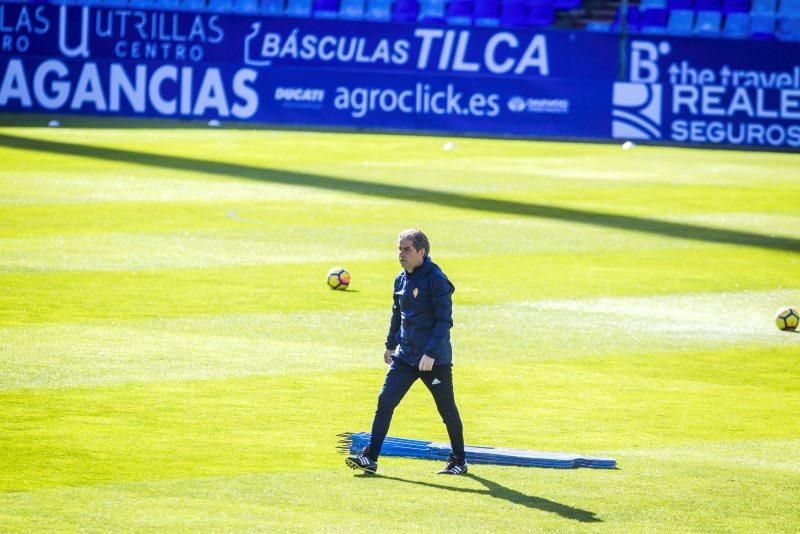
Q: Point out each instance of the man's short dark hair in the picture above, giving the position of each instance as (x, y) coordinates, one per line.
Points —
(418, 239)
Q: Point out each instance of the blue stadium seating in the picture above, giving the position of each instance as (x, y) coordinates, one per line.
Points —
(737, 26)
(598, 26)
(540, 13)
(566, 5)
(760, 7)
(655, 24)
(220, 6)
(648, 5)
(459, 12)
(762, 26)
(731, 19)
(379, 10)
(193, 5)
(298, 8)
(431, 12)
(789, 8)
(708, 5)
(653, 16)
(735, 6)
(246, 6)
(351, 9)
(633, 22)
(681, 22)
(708, 23)
(405, 11)
(325, 9)
(272, 7)
(513, 13)
(486, 13)
(788, 29)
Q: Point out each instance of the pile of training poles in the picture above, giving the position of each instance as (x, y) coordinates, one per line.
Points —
(353, 442)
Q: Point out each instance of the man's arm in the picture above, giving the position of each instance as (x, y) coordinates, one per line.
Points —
(394, 327)
(442, 301)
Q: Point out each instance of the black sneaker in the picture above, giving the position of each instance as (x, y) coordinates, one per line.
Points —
(455, 466)
(365, 463)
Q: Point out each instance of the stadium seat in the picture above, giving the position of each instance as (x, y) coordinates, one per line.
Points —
(379, 10)
(271, 7)
(298, 8)
(245, 6)
(193, 5)
(763, 7)
(109, 3)
(653, 16)
(433, 7)
(680, 22)
(598, 26)
(431, 13)
(567, 5)
(708, 23)
(168, 4)
(405, 11)
(672, 5)
(220, 6)
(737, 26)
(351, 9)
(648, 5)
(513, 13)
(788, 29)
(735, 6)
(633, 22)
(486, 13)
(762, 27)
(540, 13)
(459, 12)
(708, 5)
(326, 9)
(141, 4)
(789, 8)
(654, 22)
(433, 10)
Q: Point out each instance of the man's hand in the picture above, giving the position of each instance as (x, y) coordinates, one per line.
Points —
(387, 356)
(426, 363)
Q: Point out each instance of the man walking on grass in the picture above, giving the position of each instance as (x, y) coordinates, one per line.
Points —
(418, 346)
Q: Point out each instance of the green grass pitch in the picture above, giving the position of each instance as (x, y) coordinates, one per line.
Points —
(172, 359)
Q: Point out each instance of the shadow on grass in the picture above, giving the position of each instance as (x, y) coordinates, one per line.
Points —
(497, 491)
(399, 192)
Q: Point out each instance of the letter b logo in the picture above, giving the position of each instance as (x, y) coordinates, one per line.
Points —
(644, 66)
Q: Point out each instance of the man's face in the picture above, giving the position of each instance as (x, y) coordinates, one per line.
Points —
(410, 258)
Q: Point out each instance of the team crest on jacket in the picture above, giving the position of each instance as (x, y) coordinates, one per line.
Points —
(416, 290)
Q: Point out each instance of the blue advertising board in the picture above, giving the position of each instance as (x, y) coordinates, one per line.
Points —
(710, 92)
(399, 77)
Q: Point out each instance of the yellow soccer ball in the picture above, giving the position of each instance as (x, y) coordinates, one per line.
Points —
(787, 319)
(338, 278)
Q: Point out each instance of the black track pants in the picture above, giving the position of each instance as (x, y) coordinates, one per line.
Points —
(399, 379)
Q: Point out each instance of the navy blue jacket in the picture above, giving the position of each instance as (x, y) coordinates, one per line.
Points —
(422, 315)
